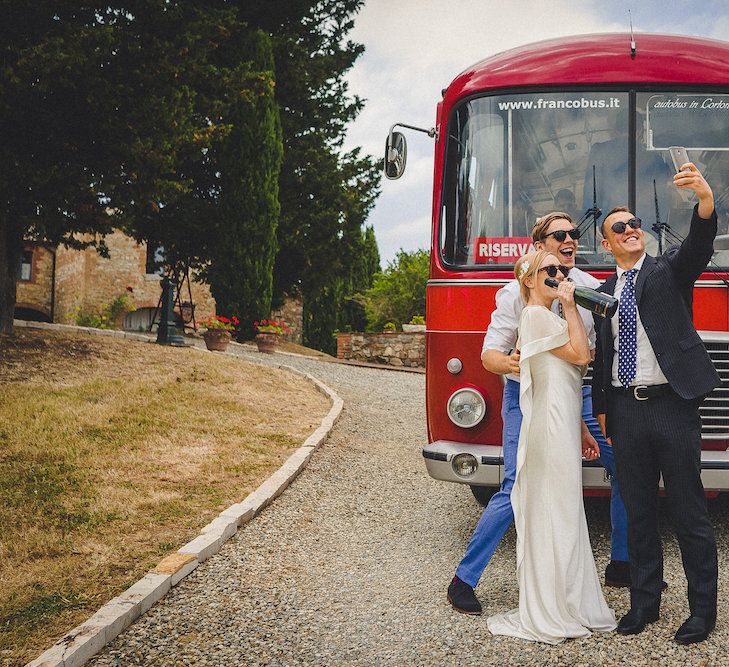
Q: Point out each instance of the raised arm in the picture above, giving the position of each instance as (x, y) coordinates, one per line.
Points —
(690, 260)
(577, 349)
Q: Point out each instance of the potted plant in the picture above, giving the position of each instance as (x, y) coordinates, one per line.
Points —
(217, 332)
(389, 327)
(268, 334)
(417, 323)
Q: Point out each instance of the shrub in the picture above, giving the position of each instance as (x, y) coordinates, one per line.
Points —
(398, 293)
(105, 316)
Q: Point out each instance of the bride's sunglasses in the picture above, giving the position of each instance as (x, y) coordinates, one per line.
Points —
(561, 234)
(553, 268)
(619, 227)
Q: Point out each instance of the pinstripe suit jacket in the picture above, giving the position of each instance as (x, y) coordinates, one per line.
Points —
(664, 296)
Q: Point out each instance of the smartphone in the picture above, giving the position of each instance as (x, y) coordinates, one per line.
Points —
(679, 156)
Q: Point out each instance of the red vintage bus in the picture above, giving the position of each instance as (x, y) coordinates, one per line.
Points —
(574, 124)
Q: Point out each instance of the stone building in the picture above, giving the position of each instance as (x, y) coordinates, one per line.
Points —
(55, 284)
(291, 312)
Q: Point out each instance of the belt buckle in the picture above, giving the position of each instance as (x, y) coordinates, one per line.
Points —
(635, 392)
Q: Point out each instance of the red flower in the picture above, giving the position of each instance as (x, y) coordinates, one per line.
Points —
(130, 288)
(271, 326)
(217, 322)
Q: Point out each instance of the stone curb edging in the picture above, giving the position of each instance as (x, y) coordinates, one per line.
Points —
(87, 639)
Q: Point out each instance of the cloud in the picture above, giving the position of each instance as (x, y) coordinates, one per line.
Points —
(410, 234)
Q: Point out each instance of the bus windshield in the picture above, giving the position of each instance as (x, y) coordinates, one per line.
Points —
(512, 158)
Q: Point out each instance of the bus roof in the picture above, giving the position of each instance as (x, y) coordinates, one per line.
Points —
(599, 59)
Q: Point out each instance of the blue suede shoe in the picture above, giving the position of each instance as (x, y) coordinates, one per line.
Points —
(462, 597)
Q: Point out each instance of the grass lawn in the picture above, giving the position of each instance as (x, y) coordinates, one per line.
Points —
(115, 453)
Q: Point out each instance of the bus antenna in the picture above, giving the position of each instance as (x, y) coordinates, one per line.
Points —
(632, 37)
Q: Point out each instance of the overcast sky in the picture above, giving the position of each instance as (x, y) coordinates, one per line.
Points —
(414, 48)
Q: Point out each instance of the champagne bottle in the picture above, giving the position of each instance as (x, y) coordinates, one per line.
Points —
(596, 302)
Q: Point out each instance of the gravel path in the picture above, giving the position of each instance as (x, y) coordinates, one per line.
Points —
(350, 565)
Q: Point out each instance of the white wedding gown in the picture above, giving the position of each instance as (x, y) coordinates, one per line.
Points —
(559, 589)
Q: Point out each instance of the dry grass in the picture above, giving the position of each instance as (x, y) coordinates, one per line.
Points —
(115, 453)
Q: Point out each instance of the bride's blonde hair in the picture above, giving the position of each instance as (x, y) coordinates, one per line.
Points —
(526, 267)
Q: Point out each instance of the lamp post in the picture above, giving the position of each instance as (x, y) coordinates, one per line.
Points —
(166, 331)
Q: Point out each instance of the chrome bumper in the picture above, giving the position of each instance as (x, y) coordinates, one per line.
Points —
(439, 454)
(490, 471)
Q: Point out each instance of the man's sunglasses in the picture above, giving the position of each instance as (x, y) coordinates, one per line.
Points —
(561, 234)
(553, 268)
(619, 227)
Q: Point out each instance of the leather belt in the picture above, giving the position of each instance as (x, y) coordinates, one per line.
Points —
(643, 392)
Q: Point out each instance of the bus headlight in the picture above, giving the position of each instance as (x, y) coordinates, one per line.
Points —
(466, 408)
(464, 465)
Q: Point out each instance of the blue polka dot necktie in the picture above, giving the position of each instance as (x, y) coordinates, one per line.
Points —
(627, 331)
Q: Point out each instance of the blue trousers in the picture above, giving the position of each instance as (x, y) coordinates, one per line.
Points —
(498, 514)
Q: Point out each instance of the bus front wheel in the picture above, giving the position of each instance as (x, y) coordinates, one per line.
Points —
(483, 494)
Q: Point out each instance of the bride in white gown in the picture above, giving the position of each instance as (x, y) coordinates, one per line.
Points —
(559, 590)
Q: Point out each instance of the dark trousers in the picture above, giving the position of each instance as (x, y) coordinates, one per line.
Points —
(662, 436)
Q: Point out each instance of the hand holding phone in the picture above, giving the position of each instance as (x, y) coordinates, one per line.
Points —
(679, 156)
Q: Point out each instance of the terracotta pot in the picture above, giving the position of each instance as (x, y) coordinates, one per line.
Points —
(216, 339)
(267, 342)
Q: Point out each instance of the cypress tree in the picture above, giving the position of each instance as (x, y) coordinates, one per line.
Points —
(247, 209)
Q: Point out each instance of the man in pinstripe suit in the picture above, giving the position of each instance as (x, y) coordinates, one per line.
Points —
(651, 371)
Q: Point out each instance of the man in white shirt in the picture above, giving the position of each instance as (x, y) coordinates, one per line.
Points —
(554, 232)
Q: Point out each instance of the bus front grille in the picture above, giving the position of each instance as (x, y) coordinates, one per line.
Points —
(715, 409)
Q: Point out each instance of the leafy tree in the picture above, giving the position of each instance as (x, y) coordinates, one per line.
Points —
(138, 116)
(399, 292)
(106, 103)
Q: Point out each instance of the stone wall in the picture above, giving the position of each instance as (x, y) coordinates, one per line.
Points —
(84, 279)
(35, 293)
(291, 312)
(395, 349)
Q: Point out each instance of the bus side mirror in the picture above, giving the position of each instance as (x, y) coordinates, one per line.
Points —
(396, 154)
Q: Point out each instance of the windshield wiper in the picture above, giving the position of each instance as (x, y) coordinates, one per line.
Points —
(593, 213)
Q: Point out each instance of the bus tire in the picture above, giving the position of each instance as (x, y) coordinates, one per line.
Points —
(483, 494)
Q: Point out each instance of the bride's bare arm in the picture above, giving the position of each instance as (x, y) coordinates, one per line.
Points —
(577, 349)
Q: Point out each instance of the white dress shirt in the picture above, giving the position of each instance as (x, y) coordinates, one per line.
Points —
(503, 329)
(647, 370)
